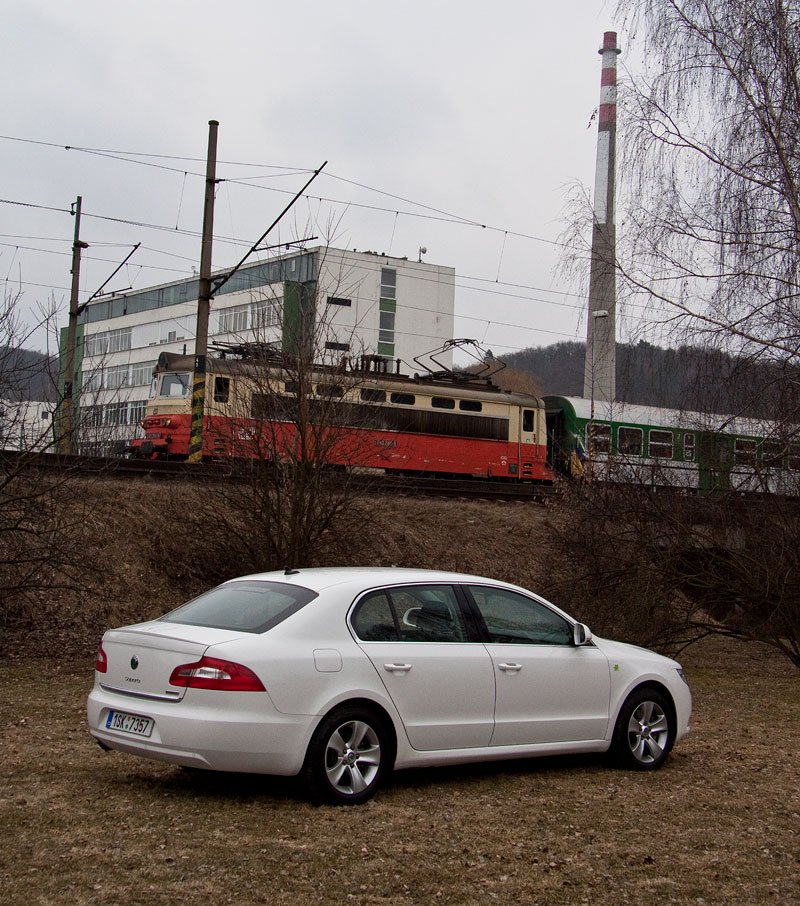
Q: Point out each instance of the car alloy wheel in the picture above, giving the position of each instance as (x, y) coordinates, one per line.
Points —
(352, 757)
(643, 735)
(648, 732)
(348, 757)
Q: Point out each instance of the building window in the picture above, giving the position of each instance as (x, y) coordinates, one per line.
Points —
(388, 283)
(137, 411)
(142, 373)
(116, 377)
(629, 441)
(661, 444)
(337, 300)
(234, 320)
(264, 313)
(341, 347)
(107, 341)
(388, 310)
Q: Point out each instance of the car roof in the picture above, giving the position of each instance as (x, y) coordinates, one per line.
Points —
(319, 578)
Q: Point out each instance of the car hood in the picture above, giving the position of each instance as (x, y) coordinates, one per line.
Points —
(619, 651)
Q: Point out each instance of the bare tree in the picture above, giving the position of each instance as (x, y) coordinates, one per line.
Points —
(711, 167)
(40, 513)
(294, 414)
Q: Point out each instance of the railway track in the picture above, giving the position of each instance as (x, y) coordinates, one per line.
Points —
(134, 469)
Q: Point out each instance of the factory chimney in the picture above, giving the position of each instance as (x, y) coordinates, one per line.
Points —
(599, 367)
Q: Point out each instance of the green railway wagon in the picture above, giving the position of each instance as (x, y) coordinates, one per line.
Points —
(622, 442)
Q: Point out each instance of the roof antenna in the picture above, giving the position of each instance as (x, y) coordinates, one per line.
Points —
(288, 571)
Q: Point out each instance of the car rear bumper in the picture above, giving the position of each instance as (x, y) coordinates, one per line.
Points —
(214, 733)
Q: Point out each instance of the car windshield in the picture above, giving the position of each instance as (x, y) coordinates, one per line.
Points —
(250, 606)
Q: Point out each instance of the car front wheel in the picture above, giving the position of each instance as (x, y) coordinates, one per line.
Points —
(348, 757)
(643, 735)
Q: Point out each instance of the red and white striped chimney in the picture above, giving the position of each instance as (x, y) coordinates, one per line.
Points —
(599, 369)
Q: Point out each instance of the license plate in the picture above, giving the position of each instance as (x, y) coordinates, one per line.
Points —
(129, 723)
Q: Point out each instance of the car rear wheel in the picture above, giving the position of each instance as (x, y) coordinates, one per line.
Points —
(349, 756)
(644, 733)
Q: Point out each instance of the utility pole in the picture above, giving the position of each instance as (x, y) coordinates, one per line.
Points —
(66, 439)
(600, 363)
(203, 301)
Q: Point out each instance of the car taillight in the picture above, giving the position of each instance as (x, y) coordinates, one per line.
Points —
(212, 673)
(101, 660)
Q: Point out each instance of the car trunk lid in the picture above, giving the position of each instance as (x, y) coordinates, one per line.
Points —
(141, 659)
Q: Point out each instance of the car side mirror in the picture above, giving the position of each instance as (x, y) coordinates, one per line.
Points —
(581, 634)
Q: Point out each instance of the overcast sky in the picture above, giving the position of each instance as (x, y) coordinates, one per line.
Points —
(478, 110)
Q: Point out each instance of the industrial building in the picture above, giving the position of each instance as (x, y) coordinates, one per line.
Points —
(357, 303)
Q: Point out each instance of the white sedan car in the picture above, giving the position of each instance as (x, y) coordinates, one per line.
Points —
(342, 675)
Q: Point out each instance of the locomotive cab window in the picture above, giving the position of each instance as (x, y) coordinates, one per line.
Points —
(528, 420)
(176, 384)
(222, 389)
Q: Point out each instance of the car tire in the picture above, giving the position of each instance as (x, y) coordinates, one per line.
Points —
(644, 732)
(350, 755)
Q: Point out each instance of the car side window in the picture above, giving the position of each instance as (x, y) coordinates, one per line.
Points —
(512, 618)
(410, 613)
(373, 620)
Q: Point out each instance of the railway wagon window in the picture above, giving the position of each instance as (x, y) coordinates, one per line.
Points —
(773, 453)
(661, 444)
(470, 405)
(290, 386)
(442, 402)
(403, 399)
(528, 420)
(744, 452)
(222, 389)
(598, 438)
(794, 457)
(368, 395)
(688, 447)
(629, 441)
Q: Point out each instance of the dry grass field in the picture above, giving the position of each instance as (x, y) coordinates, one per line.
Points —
(719, 824)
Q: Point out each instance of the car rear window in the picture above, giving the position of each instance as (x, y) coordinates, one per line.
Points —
(250, 606)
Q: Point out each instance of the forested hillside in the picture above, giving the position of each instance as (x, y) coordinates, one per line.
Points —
(686, 377)
(27, 375)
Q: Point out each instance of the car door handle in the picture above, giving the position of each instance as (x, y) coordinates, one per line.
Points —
(509, 668)
(397, 668)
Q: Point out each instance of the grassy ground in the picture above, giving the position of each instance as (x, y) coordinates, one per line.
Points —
(717, 825)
